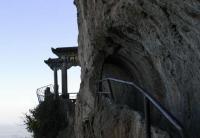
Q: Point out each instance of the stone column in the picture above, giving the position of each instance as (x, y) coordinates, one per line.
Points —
(56, 83)
(64, 81)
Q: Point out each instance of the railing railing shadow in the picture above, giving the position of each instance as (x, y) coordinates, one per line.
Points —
(148, 101)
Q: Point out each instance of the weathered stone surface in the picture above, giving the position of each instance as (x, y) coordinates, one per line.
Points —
(156, 41)
(112, 121)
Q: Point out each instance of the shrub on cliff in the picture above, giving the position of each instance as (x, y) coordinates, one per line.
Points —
(47, 119)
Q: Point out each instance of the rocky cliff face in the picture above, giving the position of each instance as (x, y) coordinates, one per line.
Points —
(156, 44)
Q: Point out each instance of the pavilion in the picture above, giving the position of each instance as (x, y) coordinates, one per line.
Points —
(67, 57)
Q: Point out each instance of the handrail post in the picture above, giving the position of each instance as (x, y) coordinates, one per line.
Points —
(100, 85)
(147, 118)
(182, 134)
(110, 88)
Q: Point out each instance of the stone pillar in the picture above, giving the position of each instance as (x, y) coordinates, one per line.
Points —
(64, 81)
(56, 83)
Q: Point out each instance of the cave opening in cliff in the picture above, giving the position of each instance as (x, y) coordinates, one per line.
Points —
(122, 68)
(117, 68)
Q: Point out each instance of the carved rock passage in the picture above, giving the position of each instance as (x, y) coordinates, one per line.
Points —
(159, 43)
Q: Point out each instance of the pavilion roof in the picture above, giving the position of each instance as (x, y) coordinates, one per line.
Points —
(54, 63)
(65, 51)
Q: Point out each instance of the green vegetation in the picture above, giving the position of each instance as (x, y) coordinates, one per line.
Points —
(47, 119)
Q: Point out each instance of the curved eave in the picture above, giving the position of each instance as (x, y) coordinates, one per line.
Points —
(64, 50)
(54, 51)
(53, 62)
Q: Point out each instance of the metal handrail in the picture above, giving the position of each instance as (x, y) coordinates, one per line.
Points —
(148, 98)
(72, 92)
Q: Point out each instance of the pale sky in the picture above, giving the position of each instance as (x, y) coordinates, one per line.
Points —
(28, 30)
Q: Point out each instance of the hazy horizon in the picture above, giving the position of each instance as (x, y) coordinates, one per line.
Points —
(14, 131)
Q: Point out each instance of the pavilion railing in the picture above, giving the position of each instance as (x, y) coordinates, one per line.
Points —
(41, 93)
(148, 101)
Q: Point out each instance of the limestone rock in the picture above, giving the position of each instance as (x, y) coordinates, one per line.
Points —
(156, 41)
